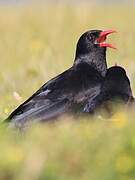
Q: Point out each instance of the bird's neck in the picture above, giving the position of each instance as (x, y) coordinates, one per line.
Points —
(94, 59)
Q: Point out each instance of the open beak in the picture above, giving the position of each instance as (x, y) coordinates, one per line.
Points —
(102, 37)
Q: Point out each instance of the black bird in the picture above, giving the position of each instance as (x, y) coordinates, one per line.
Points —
(115, 88)
(71, 88)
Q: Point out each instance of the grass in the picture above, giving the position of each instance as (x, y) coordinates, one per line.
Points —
(36, 43)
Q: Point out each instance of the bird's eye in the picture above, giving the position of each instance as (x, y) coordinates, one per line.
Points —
(89, 37)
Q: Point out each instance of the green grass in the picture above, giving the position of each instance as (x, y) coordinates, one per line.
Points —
(37, 43)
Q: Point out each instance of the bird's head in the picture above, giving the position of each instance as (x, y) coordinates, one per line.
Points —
(117, 80)
(116, 72)
(92, 41)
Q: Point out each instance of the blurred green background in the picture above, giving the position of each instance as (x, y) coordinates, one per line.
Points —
(37, 41)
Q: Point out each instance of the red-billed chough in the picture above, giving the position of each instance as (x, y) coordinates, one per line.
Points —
(115, 88)
(71, 88)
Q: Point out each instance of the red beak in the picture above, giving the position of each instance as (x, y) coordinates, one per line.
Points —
(102, 37)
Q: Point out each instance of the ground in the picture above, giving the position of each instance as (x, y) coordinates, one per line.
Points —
(37, 43)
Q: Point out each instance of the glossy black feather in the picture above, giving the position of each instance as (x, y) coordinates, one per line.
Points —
(69, 89)
(116, 86)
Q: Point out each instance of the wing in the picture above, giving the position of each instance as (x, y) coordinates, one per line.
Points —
(48, 102)
(44, 112)
(105, 97)
(70, 88)
(93, 103)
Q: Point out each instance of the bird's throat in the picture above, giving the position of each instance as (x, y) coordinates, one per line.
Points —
(96, 60)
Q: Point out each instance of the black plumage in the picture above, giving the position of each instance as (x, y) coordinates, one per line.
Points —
(115, 88)
(69, 89)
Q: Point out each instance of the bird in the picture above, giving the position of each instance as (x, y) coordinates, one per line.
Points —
(71, 89)
(115, 88)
